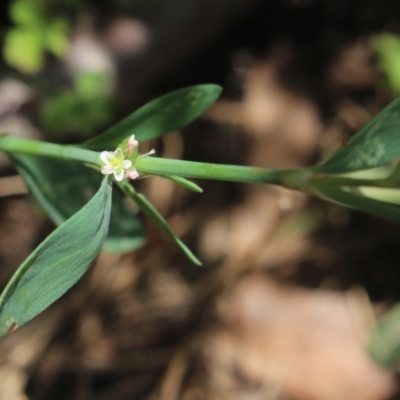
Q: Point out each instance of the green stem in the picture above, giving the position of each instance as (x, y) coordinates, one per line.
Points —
(294, 179)
(190, 169)
(145, 165)
(44, 149)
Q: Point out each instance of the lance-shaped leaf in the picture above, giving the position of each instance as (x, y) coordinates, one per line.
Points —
(163, 115)
(352, 200)
(63, 187)
(384, 346)
(185, 183)
(377, 143)
(387, 195)
(57, 263)
(157, 218)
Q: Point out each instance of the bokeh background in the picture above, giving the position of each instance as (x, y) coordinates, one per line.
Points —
(291, 286)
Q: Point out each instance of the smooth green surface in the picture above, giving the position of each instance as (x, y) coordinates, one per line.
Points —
(57, 263)
(189, 185)
(146, 165)
(383, 194)
(44, 149)
(190, 169)
(377, 143)
(384, 345)
(159, 117)
(352, 200)
(63, 187)
(157, 218)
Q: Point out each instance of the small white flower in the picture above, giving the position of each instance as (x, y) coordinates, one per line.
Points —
(115, 163)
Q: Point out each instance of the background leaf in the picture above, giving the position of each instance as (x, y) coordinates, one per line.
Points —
(23, 49)
(62, 188)
(27, 12)
(163, 115)
(57, 263)
(387, 49)
(352, 200)
(56, 37)
(384, 346)
(377, 143)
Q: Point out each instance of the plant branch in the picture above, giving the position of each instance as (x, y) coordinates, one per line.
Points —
(190, 169)
(44, 149)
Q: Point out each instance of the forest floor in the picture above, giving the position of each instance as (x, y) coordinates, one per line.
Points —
(291, 286)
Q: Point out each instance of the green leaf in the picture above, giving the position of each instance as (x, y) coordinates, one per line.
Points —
(348, 199)
(159, 117)
(65, 112)
(157, 218)
(189, 185)
(377, 143)
(387, 48)
(56, 37)
(387, 195)
(384, 346)
(27, 12)
(23, 49)
(90, 85)
(57, 263)
(62, 188)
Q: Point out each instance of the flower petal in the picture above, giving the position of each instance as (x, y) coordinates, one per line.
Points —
(106, 156)
(127, 164)
(119, 175)
(119, 155)
(107, 169)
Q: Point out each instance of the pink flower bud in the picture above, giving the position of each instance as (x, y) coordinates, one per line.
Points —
(132, 144)
(133, 174)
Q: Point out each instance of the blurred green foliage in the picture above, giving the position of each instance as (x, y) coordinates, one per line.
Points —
(387, 48)
(35, 31)
(43, 26)
(80, 110)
